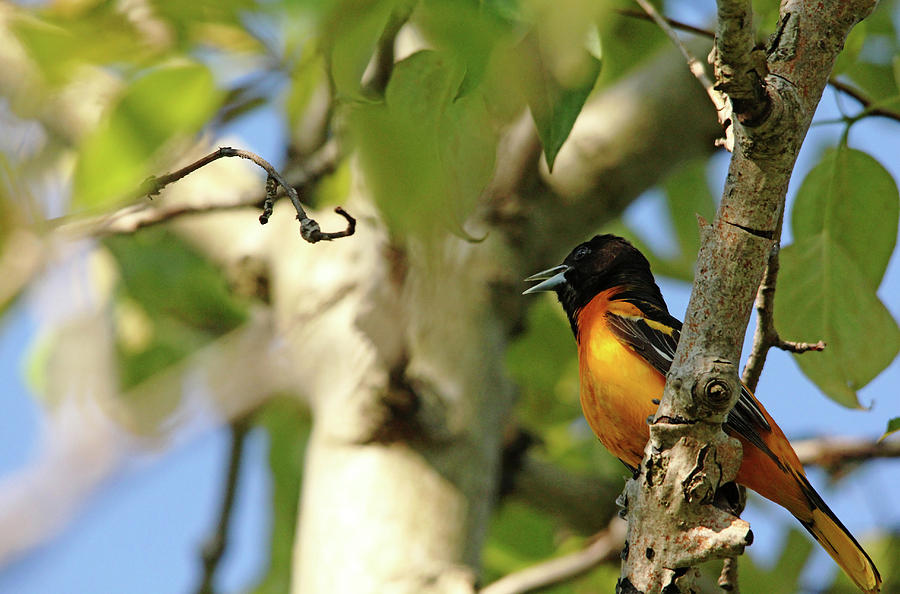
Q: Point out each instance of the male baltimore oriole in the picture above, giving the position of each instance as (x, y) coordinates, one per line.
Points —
(626, 342)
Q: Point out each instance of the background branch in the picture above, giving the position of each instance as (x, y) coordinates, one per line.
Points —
(215, 545)
(869, 107)
(836, 454)
(698, 70)
(604, 547)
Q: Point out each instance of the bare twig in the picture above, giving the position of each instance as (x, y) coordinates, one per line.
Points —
(215, 546)
(605, 547)
(146, 214)
(766, 336)
(698, 70)
(309, 229)
(869, 108)
(728, 579)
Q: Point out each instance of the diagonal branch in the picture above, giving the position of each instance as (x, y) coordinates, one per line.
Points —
(870, 107)
(673, 23)
(698, 70)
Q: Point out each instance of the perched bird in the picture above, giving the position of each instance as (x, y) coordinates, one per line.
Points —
(626, 342)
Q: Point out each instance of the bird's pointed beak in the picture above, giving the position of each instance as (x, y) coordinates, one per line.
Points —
(552, 278)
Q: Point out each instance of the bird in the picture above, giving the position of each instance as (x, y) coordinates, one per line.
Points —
(626, 341)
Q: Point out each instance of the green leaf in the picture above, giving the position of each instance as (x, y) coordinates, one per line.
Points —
(852, 47)
(850, 198)
(426, 154)
(165, 103)
(892, 427)
(845, 227)
(824, 294)
(288, 426)
(555, 102)
(305, 79)
(60, 41)
(218, 22)
(518, 536)
(172, 301)
(877, 82)
(466, 31)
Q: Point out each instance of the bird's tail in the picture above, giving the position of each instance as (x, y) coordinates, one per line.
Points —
(837, 540)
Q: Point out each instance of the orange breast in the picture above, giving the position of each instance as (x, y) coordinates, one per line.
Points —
(617, 385)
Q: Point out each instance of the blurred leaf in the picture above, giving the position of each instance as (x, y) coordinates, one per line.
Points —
(333, 189)
(175, 302)
(306, 77)
(852, 47)
(892, 427)
(852, 200)
(555, 104)
(60, 39)
(517, 537)
(288, 426)
(426, 156)
(212, 22)
(520, 536)
(873, 69)
(467, 31)
(165, 103)
(822, 294)
(627, 43)
(877, 82)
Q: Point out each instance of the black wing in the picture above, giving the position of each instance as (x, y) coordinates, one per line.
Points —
(656, 342)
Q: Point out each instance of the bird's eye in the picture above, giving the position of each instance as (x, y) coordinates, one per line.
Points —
(581, 253)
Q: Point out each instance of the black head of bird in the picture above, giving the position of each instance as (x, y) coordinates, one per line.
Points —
(605, 262)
